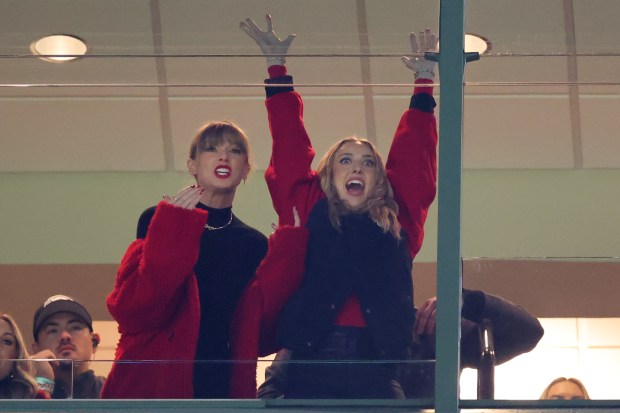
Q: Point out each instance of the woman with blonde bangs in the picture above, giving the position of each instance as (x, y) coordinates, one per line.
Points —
(17, 372)
(353, 314)
(187, 290)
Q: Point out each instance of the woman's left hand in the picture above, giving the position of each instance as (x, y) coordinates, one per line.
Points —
(186, 198)
(428, 42)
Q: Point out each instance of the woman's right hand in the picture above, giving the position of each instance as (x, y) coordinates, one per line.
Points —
(274, 48)
(186, 198)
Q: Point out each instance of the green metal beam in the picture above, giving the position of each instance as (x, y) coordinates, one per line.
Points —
(449, 281)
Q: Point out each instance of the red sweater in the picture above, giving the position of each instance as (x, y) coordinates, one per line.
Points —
(155, 302)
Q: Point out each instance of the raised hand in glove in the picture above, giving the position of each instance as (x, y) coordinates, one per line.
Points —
(274, 48)
(422, 68)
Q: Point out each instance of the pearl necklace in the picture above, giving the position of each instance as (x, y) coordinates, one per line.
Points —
(210, 228)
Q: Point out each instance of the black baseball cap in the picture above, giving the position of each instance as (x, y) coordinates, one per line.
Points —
(59, 304)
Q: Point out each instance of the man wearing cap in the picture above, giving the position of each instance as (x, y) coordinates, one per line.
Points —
(63, 331)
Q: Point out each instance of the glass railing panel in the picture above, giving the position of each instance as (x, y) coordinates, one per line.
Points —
(580, 338)
(274, 379)
(538, 227)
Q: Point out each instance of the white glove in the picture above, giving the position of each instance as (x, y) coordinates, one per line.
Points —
(422, 68)
(274, 48)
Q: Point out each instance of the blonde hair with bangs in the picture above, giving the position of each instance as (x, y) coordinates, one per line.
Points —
(22, 384)
(215, 134)
(380, 204)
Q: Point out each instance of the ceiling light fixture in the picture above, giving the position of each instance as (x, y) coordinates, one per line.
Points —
(476, 43)
(59, 48)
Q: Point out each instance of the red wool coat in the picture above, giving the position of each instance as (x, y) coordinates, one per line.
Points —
(156, 304)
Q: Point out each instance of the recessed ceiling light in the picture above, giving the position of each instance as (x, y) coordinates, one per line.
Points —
(59, 48)
(476, 43)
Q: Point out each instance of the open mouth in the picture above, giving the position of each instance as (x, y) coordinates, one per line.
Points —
(355, 187)
(223, 172)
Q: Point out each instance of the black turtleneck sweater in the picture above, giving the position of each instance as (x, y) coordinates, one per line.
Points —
(227, 261)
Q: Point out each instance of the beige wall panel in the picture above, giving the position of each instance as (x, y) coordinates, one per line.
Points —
(600, 123)
(88, 134)
(517, 132)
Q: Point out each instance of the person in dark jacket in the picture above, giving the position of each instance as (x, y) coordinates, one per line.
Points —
(515, 331)
(366, 223)
(63, 330)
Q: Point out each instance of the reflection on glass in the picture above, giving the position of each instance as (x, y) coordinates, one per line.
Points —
(273, 376)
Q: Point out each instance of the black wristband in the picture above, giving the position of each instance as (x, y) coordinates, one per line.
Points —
(280, 80)
(423, 102)
(473, 305)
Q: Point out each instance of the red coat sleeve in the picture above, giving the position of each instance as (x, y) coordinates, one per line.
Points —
(279, 276)
(147, 287)
(412, 170)
(289, 176)
(254, 323)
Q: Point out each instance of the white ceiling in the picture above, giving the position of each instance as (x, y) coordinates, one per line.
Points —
(548, 95)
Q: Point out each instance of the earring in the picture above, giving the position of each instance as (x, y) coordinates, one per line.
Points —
(244, 180)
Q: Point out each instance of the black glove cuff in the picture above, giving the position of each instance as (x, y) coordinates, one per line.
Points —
(280, 80)
(423, 102)
(473, 305)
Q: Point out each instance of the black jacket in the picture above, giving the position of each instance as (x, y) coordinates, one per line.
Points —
(362, 260)
(515, 331)
(85, 386)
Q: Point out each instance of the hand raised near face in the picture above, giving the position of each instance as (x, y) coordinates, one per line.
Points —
(44, 363)
(187, 197)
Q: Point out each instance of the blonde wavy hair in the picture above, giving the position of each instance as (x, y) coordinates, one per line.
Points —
(576, 382)
(21, 383)
(380, 204)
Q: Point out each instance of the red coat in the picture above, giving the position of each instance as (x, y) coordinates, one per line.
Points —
(156, 304)
(411, 164)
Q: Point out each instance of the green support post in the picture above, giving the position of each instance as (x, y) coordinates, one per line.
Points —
(449, 282)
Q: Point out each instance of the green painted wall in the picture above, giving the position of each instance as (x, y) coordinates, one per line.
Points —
(54, 218)
(541, 213)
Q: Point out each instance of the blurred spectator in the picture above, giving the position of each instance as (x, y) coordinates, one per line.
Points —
(17, 372)
(63, 333)
(564, 388)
